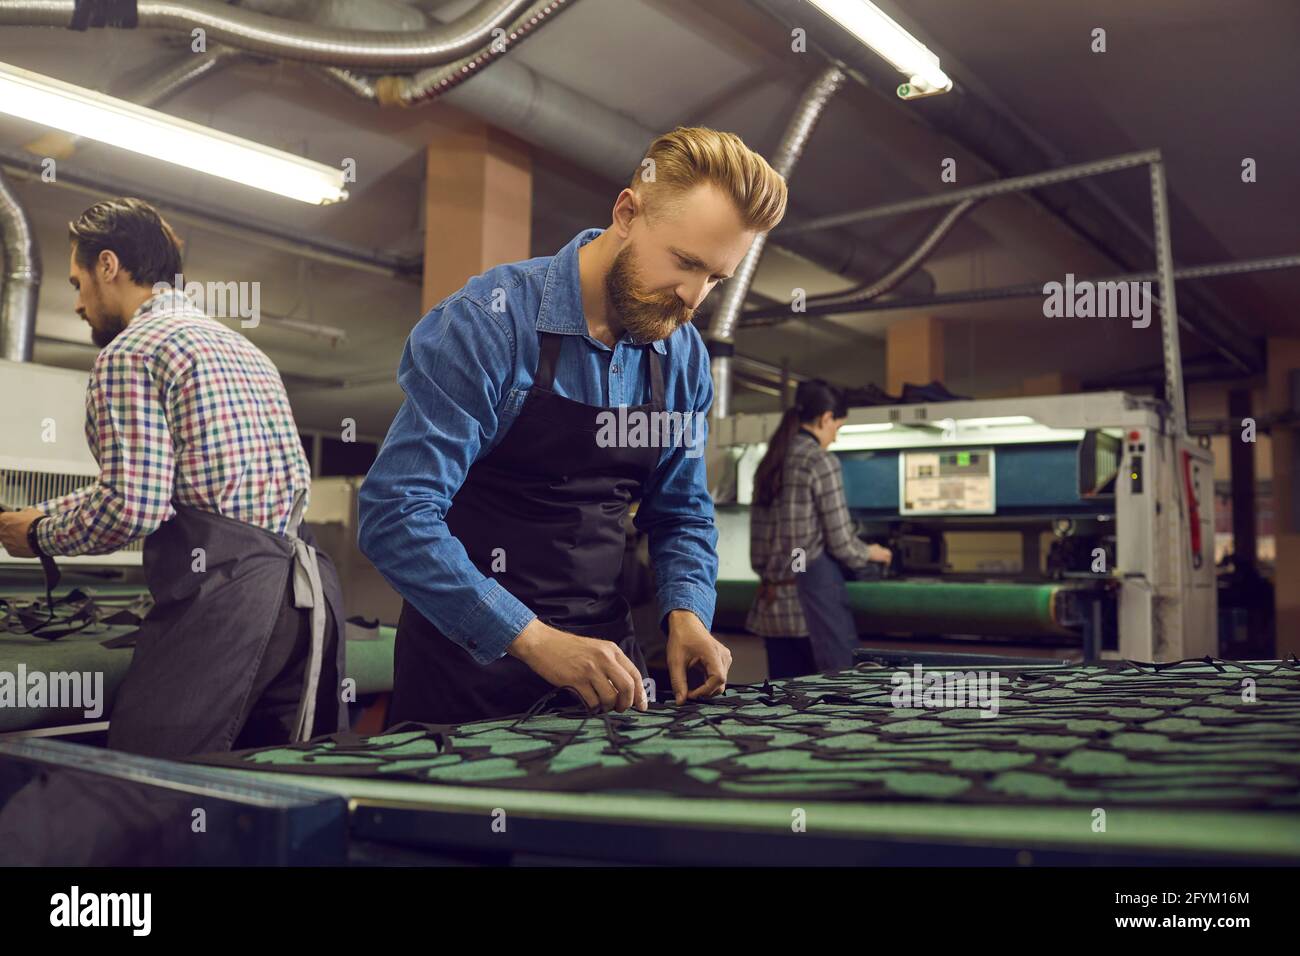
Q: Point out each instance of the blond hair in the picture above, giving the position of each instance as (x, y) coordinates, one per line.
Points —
(689, 156)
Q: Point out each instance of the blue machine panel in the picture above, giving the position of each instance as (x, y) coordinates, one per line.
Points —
(1030, 479)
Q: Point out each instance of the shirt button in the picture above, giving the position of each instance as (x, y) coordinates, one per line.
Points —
(614, 369)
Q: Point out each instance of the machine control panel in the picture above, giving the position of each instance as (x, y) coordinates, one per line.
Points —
(1136, 452)
(957, 481)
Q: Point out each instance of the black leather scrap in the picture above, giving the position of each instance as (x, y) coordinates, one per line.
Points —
(79, 609)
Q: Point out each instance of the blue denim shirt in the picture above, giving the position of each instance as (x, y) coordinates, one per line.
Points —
(466, 371)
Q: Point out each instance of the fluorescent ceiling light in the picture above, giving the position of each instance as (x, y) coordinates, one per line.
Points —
(999, 421)
(905, 52)
(82, 112)
(866, 427)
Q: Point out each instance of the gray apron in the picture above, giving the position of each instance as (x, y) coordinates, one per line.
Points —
(212, 655)
(824, 600)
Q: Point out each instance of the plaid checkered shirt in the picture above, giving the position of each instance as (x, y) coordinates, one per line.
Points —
(809, 513)
(179, 408)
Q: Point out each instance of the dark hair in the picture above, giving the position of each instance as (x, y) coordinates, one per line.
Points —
(132, 229)
(812, 400)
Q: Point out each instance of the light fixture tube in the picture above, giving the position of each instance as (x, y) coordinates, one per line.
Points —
(82, 112)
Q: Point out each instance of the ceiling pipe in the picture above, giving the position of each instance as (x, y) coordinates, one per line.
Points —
(969, 117)
(283, 39)
(868, 291)
(419, 88)
(561, 121)
(510, 96)
(348, 14)
(22, 277)
(835, 303)
(1247, 355)
(721, 336)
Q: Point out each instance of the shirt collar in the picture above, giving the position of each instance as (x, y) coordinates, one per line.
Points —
(169, 300)
(561, 309)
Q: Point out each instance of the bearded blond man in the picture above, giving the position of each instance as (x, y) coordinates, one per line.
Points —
(496, 505)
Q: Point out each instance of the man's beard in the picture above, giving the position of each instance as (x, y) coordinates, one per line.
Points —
(113, 327)
(648, 316)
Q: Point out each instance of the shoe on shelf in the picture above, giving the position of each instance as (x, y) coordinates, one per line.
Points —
(869, 395)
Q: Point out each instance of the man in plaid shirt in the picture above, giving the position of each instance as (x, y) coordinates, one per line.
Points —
(198, 452)
(178, 407)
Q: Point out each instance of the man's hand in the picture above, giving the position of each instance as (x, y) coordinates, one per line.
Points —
(690, 644)
(876, 553)
(13, 531)
(596, 669)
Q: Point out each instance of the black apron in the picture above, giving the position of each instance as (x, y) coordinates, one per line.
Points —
(554, 500)
(212, 657)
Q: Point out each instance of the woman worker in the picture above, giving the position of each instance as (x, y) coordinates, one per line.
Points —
(802, 608)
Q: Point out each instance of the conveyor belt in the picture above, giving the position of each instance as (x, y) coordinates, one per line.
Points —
(936, 607)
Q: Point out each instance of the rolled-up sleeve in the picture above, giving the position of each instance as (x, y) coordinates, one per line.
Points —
(833, 513)
(676, 511)
(457, 371)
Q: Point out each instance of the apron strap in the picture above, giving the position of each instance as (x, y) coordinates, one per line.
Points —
(550, 346)
(550, 353)
(307, 593)
(296, 512)
(656, 376)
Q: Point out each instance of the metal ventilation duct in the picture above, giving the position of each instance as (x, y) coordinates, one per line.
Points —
(22, 278)
(303, 42)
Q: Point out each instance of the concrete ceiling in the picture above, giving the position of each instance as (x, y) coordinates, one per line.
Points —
(1208, 85)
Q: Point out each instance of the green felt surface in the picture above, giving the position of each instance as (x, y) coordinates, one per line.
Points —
(370, 659)
(76, 652)
(940, 607)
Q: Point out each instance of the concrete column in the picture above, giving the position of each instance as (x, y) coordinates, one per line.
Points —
(1055, 383)
(477, 205)
(913, 353)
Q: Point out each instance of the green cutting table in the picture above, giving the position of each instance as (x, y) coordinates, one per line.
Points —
(1105, 764)
(1102, 763)
(76, 652)
(392, 821)
(369, 663)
